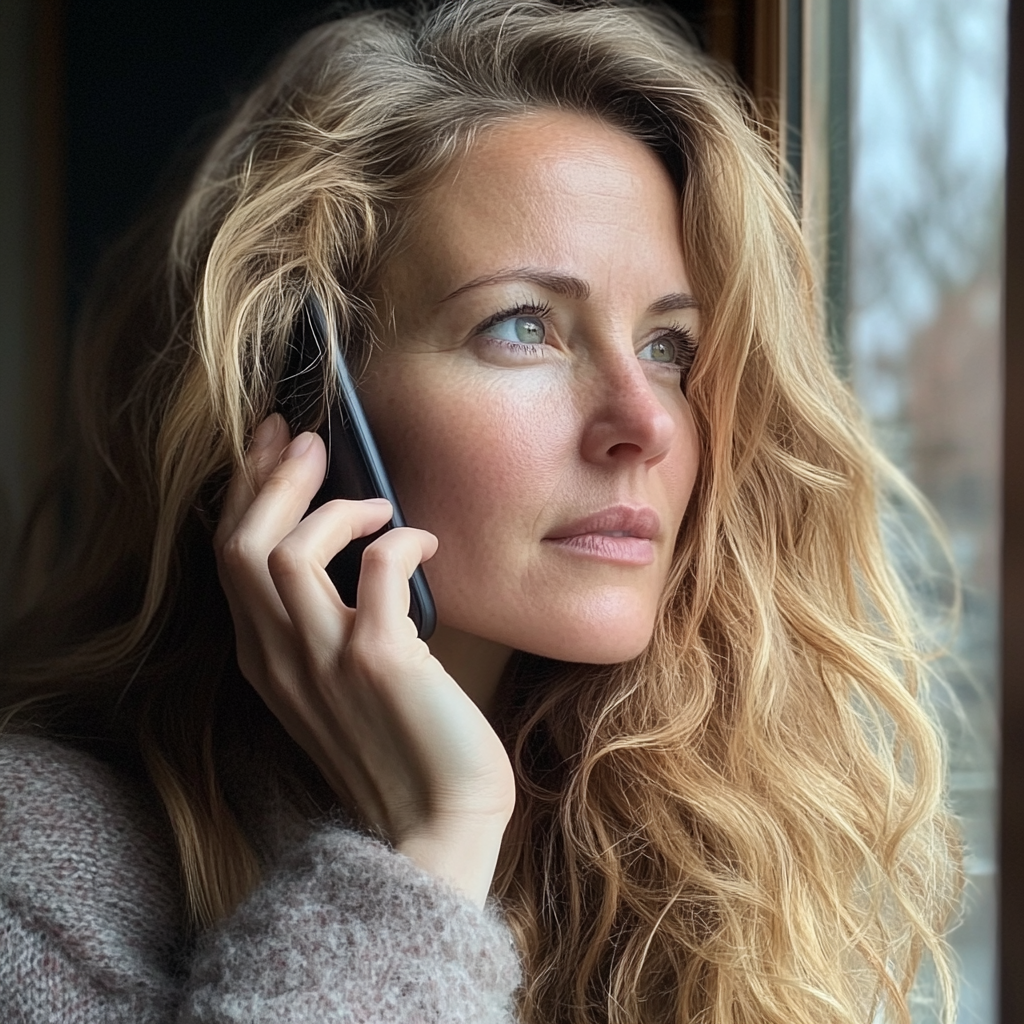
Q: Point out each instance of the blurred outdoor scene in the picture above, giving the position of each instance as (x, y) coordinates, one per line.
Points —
(924, 348)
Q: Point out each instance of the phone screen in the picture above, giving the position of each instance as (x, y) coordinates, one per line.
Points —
(354, 466)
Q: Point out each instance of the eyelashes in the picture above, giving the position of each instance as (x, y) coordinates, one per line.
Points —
(681, 338)
(685, 343)
(542, 311)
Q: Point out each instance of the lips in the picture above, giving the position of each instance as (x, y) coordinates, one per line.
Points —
(621, 534)
(618, 520)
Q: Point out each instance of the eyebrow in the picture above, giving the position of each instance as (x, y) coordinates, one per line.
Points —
(566, 284)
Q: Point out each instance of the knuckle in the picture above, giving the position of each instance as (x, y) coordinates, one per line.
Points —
(385, 657)
(285, 561)
(366, 660)
(238, 553)
(382, 554)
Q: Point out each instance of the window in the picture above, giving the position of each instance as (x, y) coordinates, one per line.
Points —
(902, 153)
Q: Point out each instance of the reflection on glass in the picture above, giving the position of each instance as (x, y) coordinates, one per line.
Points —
(928, 141)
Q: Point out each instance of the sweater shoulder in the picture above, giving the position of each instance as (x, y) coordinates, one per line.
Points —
(85, 856)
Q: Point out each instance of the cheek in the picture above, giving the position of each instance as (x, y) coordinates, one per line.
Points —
(487, 467)
(683, 465)
(475, 462)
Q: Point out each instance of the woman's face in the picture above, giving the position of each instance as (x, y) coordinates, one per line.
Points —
(528, 399)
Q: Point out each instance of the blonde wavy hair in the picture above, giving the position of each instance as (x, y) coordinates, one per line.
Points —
(746, 823)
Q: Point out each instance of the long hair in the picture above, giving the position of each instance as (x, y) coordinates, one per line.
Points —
(745, 823)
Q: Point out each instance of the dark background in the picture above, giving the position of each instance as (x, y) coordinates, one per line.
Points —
(146, 84)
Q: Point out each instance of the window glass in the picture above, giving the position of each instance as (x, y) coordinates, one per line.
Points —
(927, 112)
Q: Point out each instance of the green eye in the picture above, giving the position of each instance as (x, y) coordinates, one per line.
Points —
(662, 351)
(529, 329)
(675, 349)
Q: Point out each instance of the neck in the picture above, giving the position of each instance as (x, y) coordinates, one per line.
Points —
(474, 663)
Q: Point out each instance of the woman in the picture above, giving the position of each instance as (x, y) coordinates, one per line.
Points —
(666, 739)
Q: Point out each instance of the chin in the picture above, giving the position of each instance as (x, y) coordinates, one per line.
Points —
(587, 628)
(604, 646)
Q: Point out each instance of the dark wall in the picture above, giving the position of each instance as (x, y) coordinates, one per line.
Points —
(145, 82)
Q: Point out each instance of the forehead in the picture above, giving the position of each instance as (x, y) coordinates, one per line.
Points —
(553, 188)
(552, 149)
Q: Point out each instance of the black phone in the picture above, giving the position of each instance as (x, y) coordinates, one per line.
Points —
(354, 466)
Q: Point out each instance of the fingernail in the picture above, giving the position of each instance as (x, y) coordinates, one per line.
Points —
(378, 501)
(268, 430)
(298, 447)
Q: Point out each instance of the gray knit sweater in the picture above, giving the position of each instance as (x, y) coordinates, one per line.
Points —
(342, 929)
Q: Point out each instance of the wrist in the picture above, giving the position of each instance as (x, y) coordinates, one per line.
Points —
(462, 853)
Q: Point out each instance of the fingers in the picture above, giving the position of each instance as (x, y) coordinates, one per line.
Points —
(272, 560)
(270, 514)
(297, 567)
(272, 564)
(383, 593)
(287, 476)
(269, 441)
(327, 530)
(285, 492)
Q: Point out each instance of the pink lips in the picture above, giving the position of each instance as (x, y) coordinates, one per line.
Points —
(620, 533)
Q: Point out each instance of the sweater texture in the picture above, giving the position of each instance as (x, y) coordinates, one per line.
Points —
(341, 929)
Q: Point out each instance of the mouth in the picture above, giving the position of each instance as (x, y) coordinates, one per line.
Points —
(622, 534)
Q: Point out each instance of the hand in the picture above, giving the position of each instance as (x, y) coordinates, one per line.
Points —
(391, 731)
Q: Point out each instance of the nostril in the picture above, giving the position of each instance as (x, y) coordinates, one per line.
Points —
(624, 447)
(630, 419)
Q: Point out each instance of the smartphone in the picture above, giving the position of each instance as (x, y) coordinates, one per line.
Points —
(354, 466)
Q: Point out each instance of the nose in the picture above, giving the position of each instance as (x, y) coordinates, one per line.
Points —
(626, 419)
